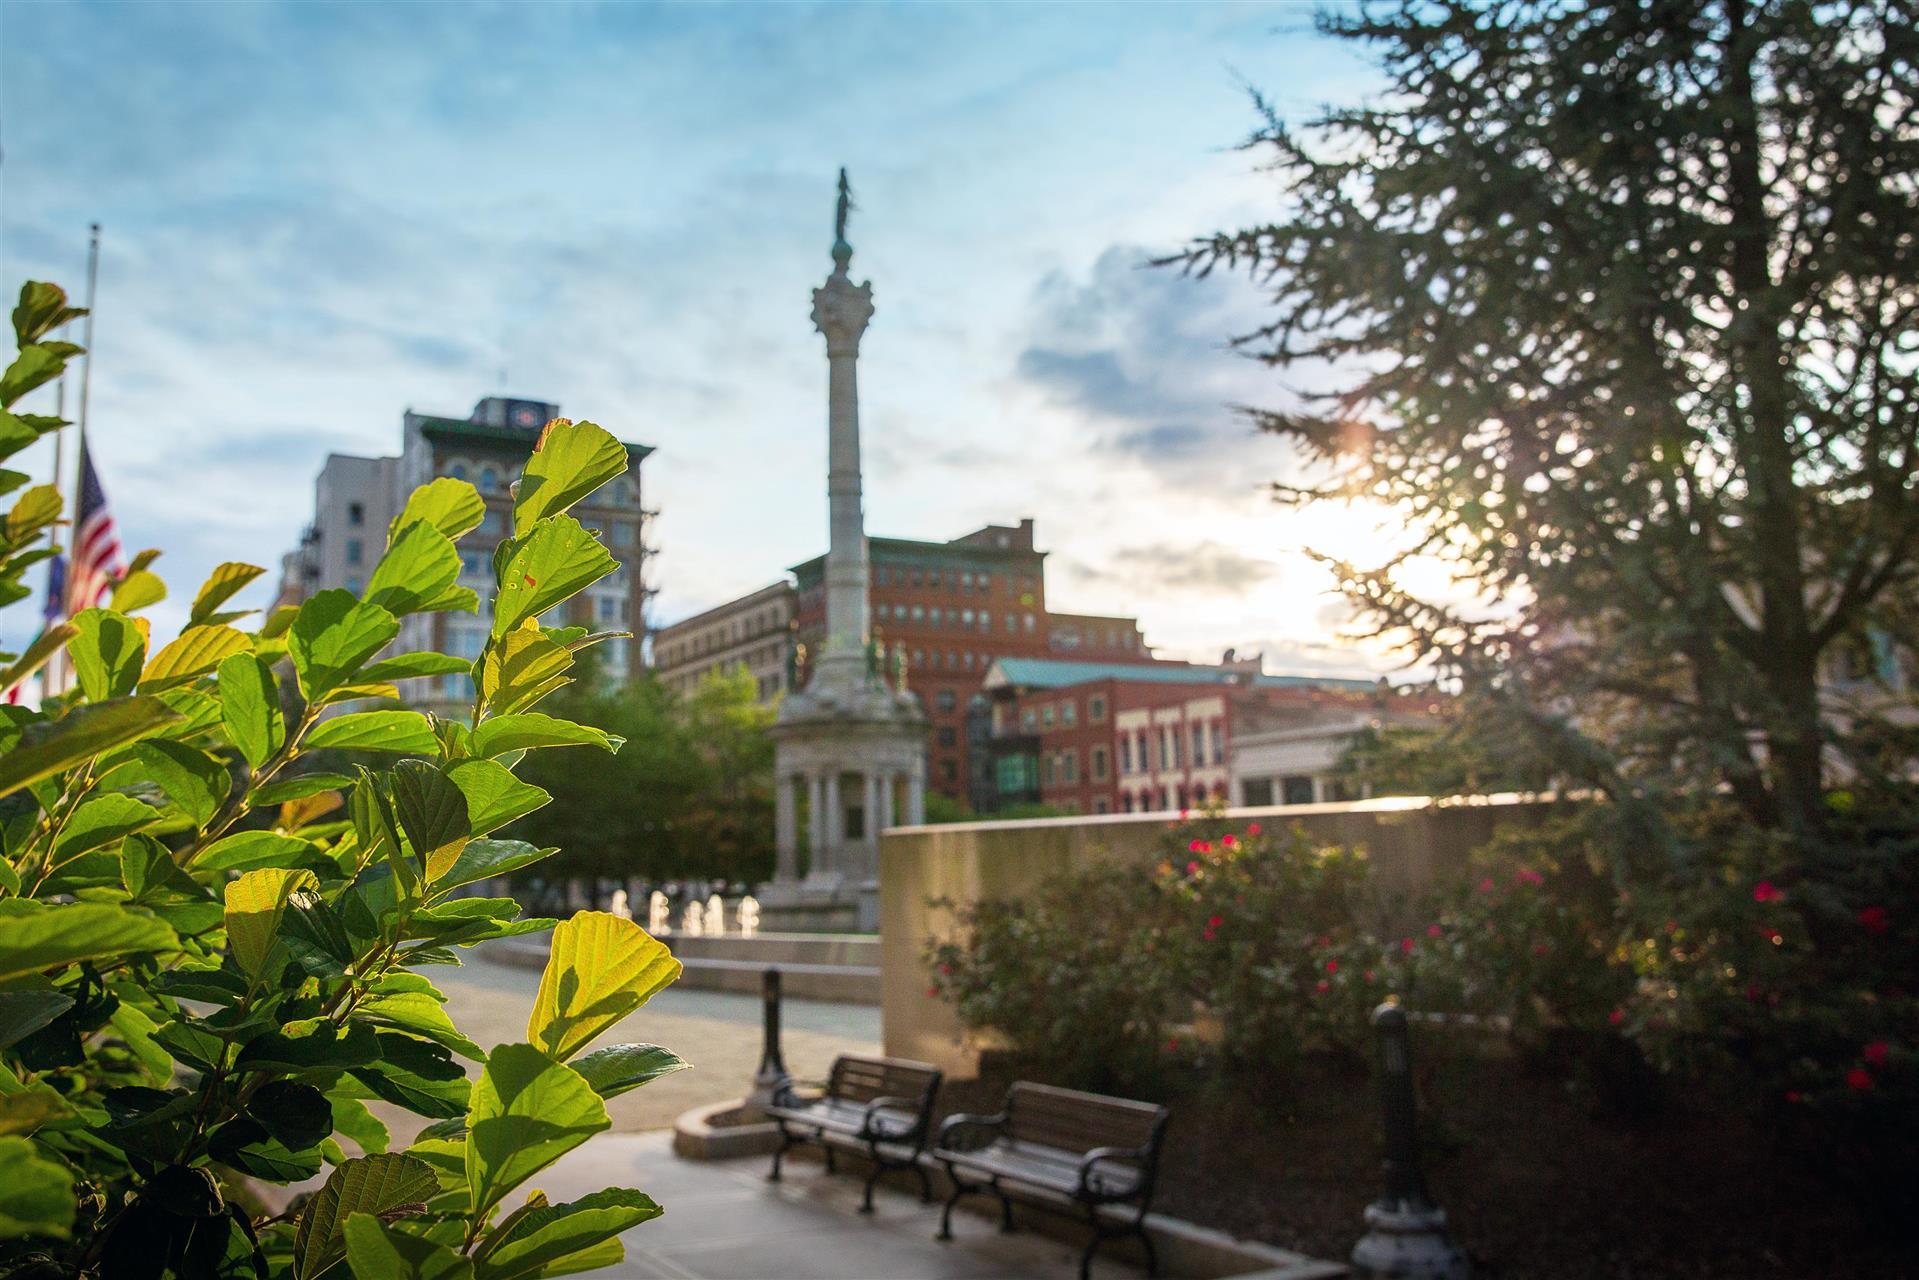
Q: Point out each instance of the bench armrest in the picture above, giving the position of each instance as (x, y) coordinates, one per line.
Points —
(1089, 1171)
(871, 1126)
(953, 1124)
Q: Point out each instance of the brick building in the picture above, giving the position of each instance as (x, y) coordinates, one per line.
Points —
(1111, 737)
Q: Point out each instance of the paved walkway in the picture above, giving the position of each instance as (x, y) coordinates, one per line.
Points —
(717, 1031)
(725, 1221)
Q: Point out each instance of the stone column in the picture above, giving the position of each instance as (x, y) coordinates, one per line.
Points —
(916, 797)
(835, 823)
(816, 818)
(885, 820)
(786, 829)
(841, 310)
(870, 796)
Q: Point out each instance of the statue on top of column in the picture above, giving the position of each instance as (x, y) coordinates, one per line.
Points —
(844, 207)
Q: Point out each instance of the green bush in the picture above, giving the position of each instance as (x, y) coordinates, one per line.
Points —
(213, 957)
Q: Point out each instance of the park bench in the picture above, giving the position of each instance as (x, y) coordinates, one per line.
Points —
(876, 1107)
(1083, 1148)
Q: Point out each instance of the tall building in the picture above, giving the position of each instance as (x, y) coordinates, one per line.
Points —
(754, 632)
(1130, 737)
(356, 499)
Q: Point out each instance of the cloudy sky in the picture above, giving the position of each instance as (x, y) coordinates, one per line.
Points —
(318, 216)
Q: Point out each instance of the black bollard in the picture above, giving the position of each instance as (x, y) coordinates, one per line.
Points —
(772, 1076)
(1405, 1231)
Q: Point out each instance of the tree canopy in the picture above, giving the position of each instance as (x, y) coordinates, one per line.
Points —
(1620, 302)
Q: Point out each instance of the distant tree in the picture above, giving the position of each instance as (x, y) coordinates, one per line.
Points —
(1620, 300)
(730, 824)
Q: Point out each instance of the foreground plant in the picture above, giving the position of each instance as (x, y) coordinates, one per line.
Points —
(210, 956)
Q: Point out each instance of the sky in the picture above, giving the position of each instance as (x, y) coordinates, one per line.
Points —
(317, 216)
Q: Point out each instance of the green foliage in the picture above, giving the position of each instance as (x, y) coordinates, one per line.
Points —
(208, 953)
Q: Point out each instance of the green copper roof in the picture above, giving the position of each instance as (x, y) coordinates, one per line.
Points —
(1052, 673)
(460, 429)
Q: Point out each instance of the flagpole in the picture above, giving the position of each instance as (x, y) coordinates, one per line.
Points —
(56, 673)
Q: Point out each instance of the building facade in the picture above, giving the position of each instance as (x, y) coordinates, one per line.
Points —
(1092, 737)
(355, 500)
(754, 632)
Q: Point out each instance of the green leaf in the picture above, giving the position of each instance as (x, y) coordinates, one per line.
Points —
(571, 460)
(49, 642)
(41, 310)
(420, 564)
(521, 667)
(530, 1242)
(405, 732)
(197, 651)
(422, 1012)
(482, 859)
(107, 653)
(527, 1111)
(36, 936)
(494, 797)
(139, 589)
(296, 1114)
(531, 729)
(195, 781)
(33, 511)
(352, 1119)
(245, 1144)
(406, 666)
(454, 507)
(313, 1044)
(253, 850)
(255, 903)
(99, 822)
(250, 707)
(417, 1074)
(600, 969)
(554, 561)
(373, 1184)
(221, 585)
(617, 1068)
(81, 734)
(432, 811)
(298, 787)
(147, 866)
(333, 636)
(374, 1249)
(24, 1012)
(39, 1199)
(22, 1113)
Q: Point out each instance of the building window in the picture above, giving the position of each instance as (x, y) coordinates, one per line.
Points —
(1100, 805)
(354, 552)
(1219, 742)
(489, 479)
(356, 514)
(622, 534)
(473, 564)
(609, 608)
(1046, 770)
(944, 700)
(985, 620)
(457, 471)
(492, 522)
(919, 613)
(356, 584)
(1069, 712)
(1028, 719)
(949, 771)
(1069, 765)
(947, 737)
(1296, 790)
(1096, 709)
(1125, 753)
(1029, 624)
(1199, 745)
(1046, 716)
(1099, 764)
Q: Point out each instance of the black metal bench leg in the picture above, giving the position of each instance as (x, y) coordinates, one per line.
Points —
(946, 1215)
(831, 1166)
(1092, 1246)
(786, 1144)
(926, 1184)
(866, 1200)
(1005, 1210)
(1152, 1255)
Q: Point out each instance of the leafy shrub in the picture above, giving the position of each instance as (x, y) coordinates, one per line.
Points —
(212, 960)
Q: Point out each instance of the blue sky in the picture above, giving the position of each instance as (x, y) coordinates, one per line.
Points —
(318, 216)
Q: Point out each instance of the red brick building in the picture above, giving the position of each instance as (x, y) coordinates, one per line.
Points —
(1106, 737)
(957, 607)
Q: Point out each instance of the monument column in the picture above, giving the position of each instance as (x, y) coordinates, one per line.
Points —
(786, 828)
(835, 818)
(816, 817)
(887, 781)
(841, 311)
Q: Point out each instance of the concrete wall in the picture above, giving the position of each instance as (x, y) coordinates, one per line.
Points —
(1411, 841)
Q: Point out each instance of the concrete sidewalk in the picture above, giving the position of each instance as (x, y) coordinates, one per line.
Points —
(725, 1221)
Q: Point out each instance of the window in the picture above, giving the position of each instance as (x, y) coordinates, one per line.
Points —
(356, 514)
(1028, 719)
(1046, 771)
(1219, 742)
(474, 564)
(1029, 623)
(489, 479)
(1012, 623)
(944, 700)
(1069, 712)
(1069, 765)
(1096, 709)
(621, 534)
(949, 771)
(1125, 753)
(985, 620)
(492, 522)
(919, 613)
(1046, 716)
(1199, 744)
(1100, 805)
(966, 582)
(985, 581)
(966, 619)
(354, 552)
(356, 584)
(1099, 764)
(609, 608)
(1016, 775)
(947, 737)
(458, 471)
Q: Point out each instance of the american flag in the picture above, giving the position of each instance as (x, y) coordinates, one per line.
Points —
(96, 558)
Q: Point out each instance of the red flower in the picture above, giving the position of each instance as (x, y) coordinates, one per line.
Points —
(1332, 966)
(1771, 935)
(1876, 919)
(1210, 934)
(1213, 923)
(1172, 1044)
(1369, 975)
(1199, 846)
(1765, 891)
(1540, 948)
(1228, 840)
(1192, 868)
(1616, 1017)
(932, 993)
(1859, 1080)
(1325, 940)
(1755, 993)
(1875, 1053)
(1322, 986)
(1406, 945)
(1434, 931)
(1183, 813)
(1486, 885)
(946, 970)
(1252, 828)
(1528, 876)
(1792, 1095)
